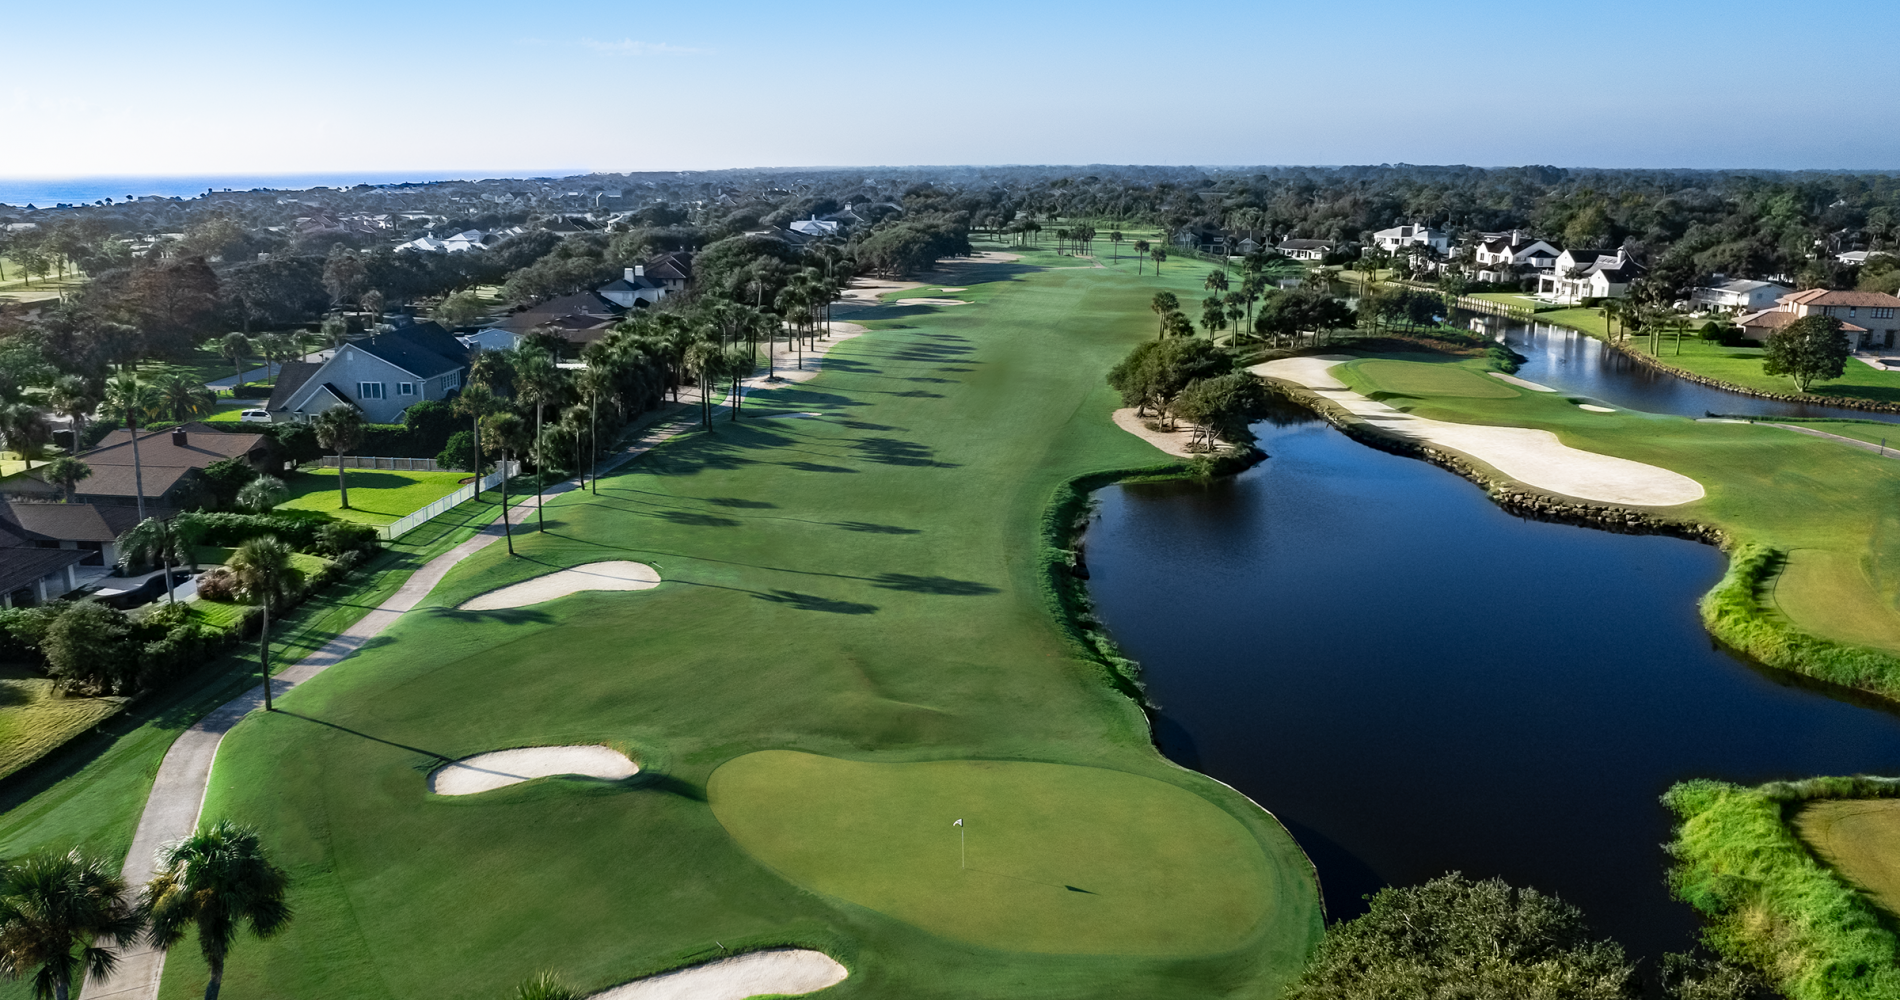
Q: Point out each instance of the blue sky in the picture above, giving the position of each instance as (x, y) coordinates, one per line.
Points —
(486, 88)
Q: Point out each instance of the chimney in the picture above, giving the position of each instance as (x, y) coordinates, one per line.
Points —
(639, 270)
(179, 439)
(631, 272)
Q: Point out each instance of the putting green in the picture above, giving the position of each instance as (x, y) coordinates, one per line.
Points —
(1860, 838)
(1060, 858)
(1416, 379)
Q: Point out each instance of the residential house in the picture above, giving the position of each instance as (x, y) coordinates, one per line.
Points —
(1399, 237)
(1306, 249)
(1739, 296)
(673, 271)
(1871, 320)
(491, 338)
(1500, 255)
(30, 574)
(466, 241)
(634, 290)
(381, 375)
(1589, 274)
(167, 471)
(92, 530)
(580, 318)
(816, 227)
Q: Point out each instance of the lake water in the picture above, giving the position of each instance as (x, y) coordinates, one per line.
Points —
(1417, 682)
(1582, 365)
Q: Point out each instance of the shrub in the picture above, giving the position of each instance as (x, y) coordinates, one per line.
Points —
(339, 538)
(23, 629)
(86, 650)
(459, 453)
(218, 584)
(262, 493)
(230, 530)
(251, 390)
(226, 478)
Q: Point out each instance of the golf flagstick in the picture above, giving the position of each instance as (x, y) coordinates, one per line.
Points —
(960, 855)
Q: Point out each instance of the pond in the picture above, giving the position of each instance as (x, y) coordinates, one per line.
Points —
(1417, 682)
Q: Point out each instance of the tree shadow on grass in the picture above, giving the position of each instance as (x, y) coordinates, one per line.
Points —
(877, 529)
(742, 503)
(694, 519)
(942, 585)
(438, 757)
(812, 602)
(896, 451)
(815, 467)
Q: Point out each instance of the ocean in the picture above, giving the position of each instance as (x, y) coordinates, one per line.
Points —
(50, 191)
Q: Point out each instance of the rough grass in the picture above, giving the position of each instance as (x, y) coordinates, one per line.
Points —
(34, 718)
(1057, 858)
(865, 583)
(1769, 902)
(1859, 838)
(377, 496)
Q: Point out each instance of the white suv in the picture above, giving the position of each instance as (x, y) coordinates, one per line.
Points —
(255, 416)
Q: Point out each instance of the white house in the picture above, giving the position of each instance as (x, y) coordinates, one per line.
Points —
(1306, 249)
(381, 375)
(466, 241)
(1398, 237)
(1500, 254)
(815, 226)
(634, 289)
(492, 338)
(1741, 295)
(1588, 274)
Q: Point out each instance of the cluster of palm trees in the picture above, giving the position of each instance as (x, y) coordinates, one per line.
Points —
(271, 347)
(1146, 251)
(67, 916)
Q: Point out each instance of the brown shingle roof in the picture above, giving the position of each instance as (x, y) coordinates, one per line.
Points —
(24, 565)
(1830, 297)
(72, 522)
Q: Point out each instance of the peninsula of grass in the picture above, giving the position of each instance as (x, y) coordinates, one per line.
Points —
(866, 587)
(377, 496)
(1812, 585)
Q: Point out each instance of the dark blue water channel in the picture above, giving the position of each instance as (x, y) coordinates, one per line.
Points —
(1416, 682)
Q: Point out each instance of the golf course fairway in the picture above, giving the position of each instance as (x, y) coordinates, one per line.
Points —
(866, 582)
(1050, 857)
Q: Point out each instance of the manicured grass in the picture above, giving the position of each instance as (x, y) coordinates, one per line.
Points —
(1507, 298)
(1860, 838)
(1815, 498)
(864, 584)
(377, 496)
(34, 717)
(1054, 858)
(1413, 378)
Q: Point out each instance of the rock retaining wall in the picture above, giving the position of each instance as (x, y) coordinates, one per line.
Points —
(1781, 397)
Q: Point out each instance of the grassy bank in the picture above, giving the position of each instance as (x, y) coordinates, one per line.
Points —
(865, 586)
(377, 496)
(1769, 901)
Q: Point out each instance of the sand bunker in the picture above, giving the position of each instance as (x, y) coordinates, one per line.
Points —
(1521, 383)
(947, 290)
(488, 771)
(1533, 457)
(1173, 442)
(1594, 408)
(615, 575)
(784, 971)
(931, 302)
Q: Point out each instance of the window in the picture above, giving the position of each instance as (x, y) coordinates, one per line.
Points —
(405, 388)
(1883, 313)
(452, 380)
(369, 390)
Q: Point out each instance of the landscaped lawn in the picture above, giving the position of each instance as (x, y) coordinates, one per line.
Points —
(862, 587)
(1860, 839)
(377, 496)
(34, 717)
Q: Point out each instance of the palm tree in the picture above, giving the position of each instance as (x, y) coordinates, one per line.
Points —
(74, 398)
(66, 472)
(155, 540)
(183, 398)
(263, 569)
(538, 381)
(235, 346)
(1161, 305)
(1115, 243)
(1213, 315)
(702, 358)
(340, 429)
(216, 881)
(476, 401)
(1160, 254)
(56, 911)
(1141, 255)
(25, 429)
(596, 382)
(502, 433)
(134, 402)
(262, 494)
(1216, 281)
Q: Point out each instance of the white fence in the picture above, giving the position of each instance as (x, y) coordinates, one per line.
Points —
(372, 462)
(403, 525)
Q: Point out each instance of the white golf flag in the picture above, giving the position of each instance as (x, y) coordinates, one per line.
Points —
(957, 823)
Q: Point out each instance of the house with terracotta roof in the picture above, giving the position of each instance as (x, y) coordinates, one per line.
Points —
(1588, 274)
(1871, 320)
(167, 472)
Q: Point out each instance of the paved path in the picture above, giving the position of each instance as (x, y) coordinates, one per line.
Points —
(177, 797)
(171, 812)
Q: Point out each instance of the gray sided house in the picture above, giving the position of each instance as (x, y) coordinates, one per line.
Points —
(381, 375)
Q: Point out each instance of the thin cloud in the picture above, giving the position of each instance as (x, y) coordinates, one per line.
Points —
(628, 46)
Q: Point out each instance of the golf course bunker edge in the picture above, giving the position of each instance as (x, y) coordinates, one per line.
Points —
(486, 772)
(617, 574)
(773, 972)
(1049, 858)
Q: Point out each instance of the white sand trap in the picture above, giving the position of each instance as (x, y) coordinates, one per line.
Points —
(1521, 383)
(948, 290)
(1173, 442)
(788, 416)
(931, 302)
(486, 772)
(787, 971)
(1594, 408)
(1533, 457)
(617, 574)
